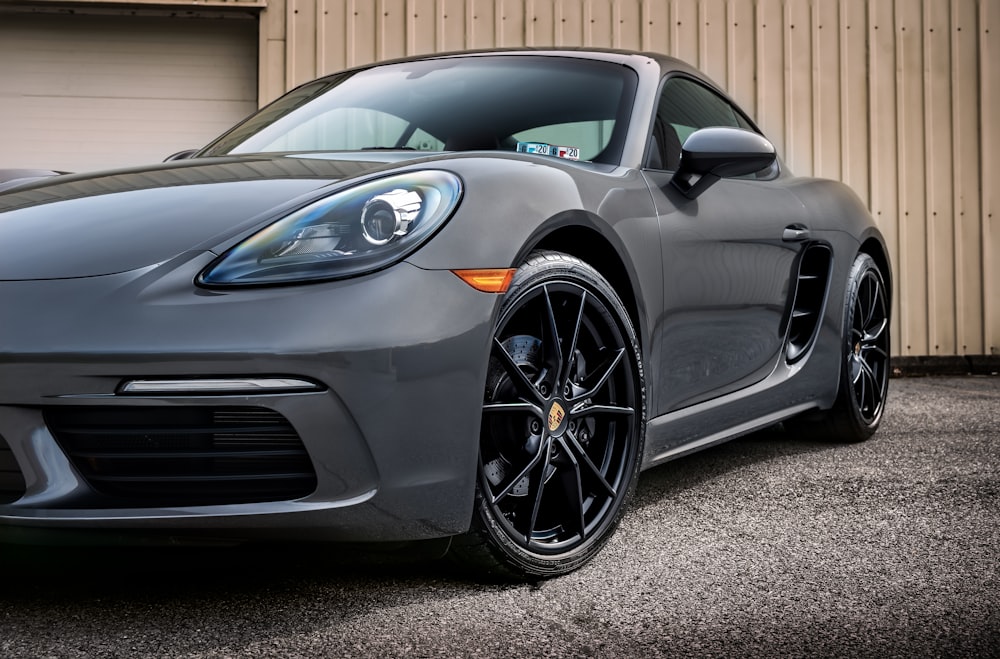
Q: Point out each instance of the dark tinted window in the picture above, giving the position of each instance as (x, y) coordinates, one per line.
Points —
(684, 107)
(450, 104)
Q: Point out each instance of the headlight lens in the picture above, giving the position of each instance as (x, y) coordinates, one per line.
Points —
(354, 231)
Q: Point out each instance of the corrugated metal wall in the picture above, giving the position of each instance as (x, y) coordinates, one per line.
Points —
(898, 98)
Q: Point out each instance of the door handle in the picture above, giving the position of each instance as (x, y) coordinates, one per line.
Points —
(795, 233)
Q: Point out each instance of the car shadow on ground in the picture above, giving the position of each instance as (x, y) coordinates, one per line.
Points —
(271, 591)
(78, 568)
(182, 597)
(70, 569)
(689, 472)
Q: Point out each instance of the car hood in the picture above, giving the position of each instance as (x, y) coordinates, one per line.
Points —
(108, 222)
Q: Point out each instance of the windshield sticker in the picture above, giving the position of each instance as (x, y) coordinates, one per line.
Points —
(543, 149)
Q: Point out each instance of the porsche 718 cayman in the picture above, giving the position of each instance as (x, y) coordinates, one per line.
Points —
(465, 295)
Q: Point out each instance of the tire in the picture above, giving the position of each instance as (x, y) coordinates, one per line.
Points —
(864, 370)
(563, 424)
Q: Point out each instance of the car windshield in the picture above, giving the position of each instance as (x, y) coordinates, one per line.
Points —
(451, 104)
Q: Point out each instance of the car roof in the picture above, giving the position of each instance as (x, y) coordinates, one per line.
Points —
(633, 58)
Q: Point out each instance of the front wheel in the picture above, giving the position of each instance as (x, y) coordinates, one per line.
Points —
(563, 421)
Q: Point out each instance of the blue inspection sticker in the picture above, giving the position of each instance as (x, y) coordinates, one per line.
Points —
(540, 148)
(543, 149)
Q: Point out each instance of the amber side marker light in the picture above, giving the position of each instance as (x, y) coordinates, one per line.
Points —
(491, 280)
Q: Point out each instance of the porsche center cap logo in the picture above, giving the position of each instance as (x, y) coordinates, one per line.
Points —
(556, 414)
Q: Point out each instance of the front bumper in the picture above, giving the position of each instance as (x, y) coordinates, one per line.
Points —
(399, 356)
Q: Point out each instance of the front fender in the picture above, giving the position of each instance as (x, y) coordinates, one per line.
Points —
(510, 203)
(515, 204)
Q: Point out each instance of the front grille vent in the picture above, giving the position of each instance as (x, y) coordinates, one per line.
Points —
(165, 456)
(11, 479)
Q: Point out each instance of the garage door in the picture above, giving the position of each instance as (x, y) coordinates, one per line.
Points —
(90, 92)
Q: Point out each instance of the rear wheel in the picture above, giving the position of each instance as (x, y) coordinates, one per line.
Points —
(563, 420)
(864, 376)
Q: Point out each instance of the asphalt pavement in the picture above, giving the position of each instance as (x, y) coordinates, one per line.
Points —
(772, 545)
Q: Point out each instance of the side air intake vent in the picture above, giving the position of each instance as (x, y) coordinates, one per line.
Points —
(11, 479)
(811, 287)
(162, 456)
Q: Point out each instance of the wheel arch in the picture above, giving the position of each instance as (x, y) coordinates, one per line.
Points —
(874, 248)
(590, 246)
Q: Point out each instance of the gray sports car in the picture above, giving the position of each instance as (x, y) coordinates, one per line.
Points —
(463, 296)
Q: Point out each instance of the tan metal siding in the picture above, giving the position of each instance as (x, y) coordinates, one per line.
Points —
(882, 121)
(912, 165)
(965, 205)
(940, 223)
(898, 98)
(987, 218)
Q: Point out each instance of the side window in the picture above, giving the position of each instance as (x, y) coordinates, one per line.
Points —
(684, 107)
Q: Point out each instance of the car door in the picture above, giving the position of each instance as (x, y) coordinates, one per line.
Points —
(727, 269)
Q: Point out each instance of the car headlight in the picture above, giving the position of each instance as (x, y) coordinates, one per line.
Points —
(351, 232)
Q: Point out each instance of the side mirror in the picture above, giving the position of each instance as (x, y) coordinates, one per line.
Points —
(181, 155)
(720, 152)
(12, 178)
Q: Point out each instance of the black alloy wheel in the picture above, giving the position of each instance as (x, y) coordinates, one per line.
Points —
(864, 378)
(563, 420)
(868, 344)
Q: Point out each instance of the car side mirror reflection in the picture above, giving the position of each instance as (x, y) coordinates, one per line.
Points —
(720, 152)
(181, 155)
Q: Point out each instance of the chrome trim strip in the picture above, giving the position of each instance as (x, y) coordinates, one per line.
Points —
(216, 385)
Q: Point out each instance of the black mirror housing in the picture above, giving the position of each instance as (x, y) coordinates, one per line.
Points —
(720, 152)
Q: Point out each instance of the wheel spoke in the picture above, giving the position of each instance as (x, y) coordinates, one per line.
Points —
(513, 408)
(879, 352)
(877, 334)
(874, 297)
(532, 463)
(601, 375)
(574, 447)
(552, 346)
(874, 393)
(601, 409)
(521, 382)
(868, 405)
(873, 292)
(573, 490)
(536, 488)
(857, 322)
(861, 306)
(876, 396)
(858, 379)
(863, 383)
(564, 374)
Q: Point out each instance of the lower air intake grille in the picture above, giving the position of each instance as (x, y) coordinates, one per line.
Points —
(11, 478)
(156, 456)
